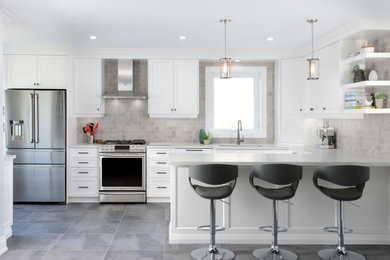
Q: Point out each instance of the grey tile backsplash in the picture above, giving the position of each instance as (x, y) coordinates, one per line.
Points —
(129, 119)
(370, 135)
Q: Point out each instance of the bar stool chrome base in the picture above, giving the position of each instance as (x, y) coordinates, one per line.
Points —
(205, 254)
(268, 254)
(333, 254)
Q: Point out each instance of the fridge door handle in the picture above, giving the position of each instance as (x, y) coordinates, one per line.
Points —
(36, 118)
(32, 118)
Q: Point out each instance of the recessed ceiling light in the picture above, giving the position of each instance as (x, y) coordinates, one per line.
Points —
(270, 38)
(92, 37)
(182, 37)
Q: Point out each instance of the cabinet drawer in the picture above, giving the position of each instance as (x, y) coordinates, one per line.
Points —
(158, 163)
(194, 150)
(163, 153)
(84, 153)
(84, 172)
(159, 173)
(83, 187)
(158, 188)
(84, 162)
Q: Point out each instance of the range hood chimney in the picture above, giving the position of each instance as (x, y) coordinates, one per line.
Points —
(125, 82)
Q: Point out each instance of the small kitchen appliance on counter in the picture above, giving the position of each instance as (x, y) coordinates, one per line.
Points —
(327, 137)
(123, 171)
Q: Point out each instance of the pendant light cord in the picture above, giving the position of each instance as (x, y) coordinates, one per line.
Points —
(225, 36)
(312, 41)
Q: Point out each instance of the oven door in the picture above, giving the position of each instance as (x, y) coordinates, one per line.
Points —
(122, 171)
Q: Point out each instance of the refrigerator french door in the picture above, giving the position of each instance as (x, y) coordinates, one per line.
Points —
(35, 133)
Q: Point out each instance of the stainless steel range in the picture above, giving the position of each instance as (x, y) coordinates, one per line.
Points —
(123, 171)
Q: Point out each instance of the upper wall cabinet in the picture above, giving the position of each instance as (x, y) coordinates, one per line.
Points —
(324, 97)
(291, 124)
(31, 71)
(173, 88)
(88, 87)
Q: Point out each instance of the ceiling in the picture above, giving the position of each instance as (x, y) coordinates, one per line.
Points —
(159, 23)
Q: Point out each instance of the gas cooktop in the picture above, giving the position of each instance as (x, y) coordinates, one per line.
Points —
(123, 146)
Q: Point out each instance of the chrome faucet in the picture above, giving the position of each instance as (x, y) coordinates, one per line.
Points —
(239, 128)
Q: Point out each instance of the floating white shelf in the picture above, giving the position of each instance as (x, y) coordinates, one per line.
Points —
(368, 56)
(367, 83)
(368, 111)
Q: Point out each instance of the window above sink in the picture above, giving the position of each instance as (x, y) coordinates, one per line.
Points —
(243, 97)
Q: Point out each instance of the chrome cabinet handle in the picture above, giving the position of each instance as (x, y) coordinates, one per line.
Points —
(161, 153)
(161, 187)
(83, 187)
(37, 118)
(32, 118)
(194, 150)
(161, 172)
(83, 172)
(83, 152)
(83, 162)
(161, 162)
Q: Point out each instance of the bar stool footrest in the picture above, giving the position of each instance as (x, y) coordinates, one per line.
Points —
(206, 228)
(269, 229)
(335, 230)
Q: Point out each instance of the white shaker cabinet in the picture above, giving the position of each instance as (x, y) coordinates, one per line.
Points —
(173, 88)
(32, 71)
(291, 124)
(88, 100)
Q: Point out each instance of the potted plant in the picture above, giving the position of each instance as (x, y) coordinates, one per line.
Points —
(379, 98)
(358, 73)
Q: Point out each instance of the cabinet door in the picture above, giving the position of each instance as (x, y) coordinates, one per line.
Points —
(88, 86)
(21, 71)
(51, 72)
(291, 100)
(291, 86)
(186, 90)
(160, 87)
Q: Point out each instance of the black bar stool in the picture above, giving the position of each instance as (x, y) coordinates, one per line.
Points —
(353, 178)
(220, 180)
(279, 174)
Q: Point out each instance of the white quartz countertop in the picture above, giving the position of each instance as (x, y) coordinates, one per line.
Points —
(305, 156)
(179, 145)
(83, 145)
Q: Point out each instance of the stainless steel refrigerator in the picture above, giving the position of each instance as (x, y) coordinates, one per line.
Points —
(36, 134)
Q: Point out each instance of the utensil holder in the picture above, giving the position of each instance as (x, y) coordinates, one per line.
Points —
(90, 139)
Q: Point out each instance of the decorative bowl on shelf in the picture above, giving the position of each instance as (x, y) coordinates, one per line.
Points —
(369, 49)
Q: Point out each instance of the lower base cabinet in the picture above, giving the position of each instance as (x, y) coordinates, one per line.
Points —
(83, 174)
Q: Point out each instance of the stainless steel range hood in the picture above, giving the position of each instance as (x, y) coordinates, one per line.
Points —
(125, 82)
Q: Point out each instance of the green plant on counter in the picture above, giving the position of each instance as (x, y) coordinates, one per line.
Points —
(356, 68)
(380, 96)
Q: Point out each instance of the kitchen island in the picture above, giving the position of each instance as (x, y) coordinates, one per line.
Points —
(309, 212)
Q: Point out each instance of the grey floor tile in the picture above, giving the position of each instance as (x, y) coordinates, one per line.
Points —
(103, 215)
(141, 227)
(41, 227)
(178, 255)
(69, 207)
(123, 242)
(145, 212)
(84, 242)
(75, 255)
(45, 216)
(135, 255)
(23, 255)
(94, 226)
(41, 241)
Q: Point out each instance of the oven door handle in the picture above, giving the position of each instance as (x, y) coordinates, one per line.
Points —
(121, 155)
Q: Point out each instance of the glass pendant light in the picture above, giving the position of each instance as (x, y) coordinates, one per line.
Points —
(225, 72)
(313, 64)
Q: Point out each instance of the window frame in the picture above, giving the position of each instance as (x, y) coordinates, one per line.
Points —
(259, 73)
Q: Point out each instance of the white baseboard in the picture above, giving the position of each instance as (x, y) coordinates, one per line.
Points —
(159, 200)
(292, 239)
(3, 244)
(7, 232)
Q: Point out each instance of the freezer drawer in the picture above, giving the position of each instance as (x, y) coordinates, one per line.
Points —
(39, 183)
(35, 156)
